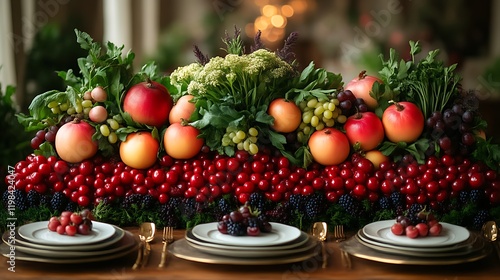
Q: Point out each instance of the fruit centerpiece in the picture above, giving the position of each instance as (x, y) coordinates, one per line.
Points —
(253, 128)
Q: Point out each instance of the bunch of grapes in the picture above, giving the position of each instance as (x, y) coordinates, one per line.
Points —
(244, 222)
(243, 141)
(453, 129)
(71, 223)
(109, 128)
(426, 225)
(318, 113)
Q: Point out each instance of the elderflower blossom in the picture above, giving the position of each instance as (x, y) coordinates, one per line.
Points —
(185, 74)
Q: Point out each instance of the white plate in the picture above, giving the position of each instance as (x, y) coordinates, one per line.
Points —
(39, 233)
(183, 250)
(87, 247)
(255, 253)
(425, 250)
(280, 234)
(122, 244)
(303, 238)
(450, 235)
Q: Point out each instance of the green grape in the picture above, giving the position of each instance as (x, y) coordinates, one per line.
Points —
(301, 137)
(113, 124)
(302, 105)
(87, 103)
(302, 125)
(86, 111)
(240, 146)
(253, 131)
(307, 116)
(319, 111)
(53, 104)
(253, 149)
(252, 139)
(236, 140)
(330, 122)
(307, 130)
(112, 138)
(312, 103)
(241, 134)
(341, 119)
(64, 107)
(104, 129)
(79, 108)
(56, 110)
(332, 106)
(314, 121)
(118, 118)
(325, 105)
(71, 110)
(246, 145)
(335, 102)
(327, 114)
(232, 134)
(320, 126)
(226, 141)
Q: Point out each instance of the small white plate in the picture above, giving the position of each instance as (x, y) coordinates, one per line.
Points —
(280, 234)
(450, 235)
(39, 233)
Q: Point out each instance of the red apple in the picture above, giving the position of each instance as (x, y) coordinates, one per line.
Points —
(361, 87)
(364, 129)
(403, 122)
(148, 103)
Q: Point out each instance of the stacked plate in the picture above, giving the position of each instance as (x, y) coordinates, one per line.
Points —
(285, 244)
(454, 245)
(34, 242)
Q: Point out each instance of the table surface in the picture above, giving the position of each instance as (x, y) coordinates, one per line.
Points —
(176, 268)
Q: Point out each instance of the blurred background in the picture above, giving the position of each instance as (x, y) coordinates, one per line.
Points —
(343, 36)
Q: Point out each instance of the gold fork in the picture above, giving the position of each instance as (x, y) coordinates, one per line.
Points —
(339, 235)
(167, 238)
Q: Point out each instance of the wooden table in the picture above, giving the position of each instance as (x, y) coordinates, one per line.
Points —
(175, 268)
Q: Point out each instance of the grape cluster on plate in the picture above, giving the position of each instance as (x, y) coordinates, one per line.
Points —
(71, 223)
(244, 221)
(426, 225)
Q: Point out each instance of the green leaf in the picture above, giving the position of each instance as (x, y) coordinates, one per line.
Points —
(46, 149)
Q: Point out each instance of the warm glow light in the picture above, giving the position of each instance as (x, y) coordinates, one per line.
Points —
(278, 21)
(275, 34)
(269, 10)
(261, 3)
(261, 23)
(287, 10)
(250, 30)
(299, 6)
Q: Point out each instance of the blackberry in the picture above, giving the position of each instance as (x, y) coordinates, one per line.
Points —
(281, 214)
(480, 218)
(5, 199)
(314, 204)
(297, 202)
(131, 199)
(71, 206)
(257, 201)
(236, 229)
(188, 207)
(253, 222)
(58, 202)
(147, 201)
(463, 197)
(397, 200)
(477, 196)
(413, 213)
(45, 200)
(20, 200)
(384, 203)
(167, 214)
(350, 204)
(33, 198)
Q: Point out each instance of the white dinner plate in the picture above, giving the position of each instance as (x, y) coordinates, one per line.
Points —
(280, 234)
(424, 250)
(450, 235)
(255, 253)
(87, 247)
(124, 243)
(475, 244)
(303, 238)
(39, 233)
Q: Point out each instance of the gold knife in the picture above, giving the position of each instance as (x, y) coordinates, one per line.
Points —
(147, 251)
(140, 253)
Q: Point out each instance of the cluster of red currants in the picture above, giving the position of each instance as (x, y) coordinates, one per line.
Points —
(71, 223)
(427, 225)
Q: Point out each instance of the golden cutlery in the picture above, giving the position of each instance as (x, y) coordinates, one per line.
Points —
(320, 231)
(148, 230)
(339, 235)
(167, 238)
(490, 232)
